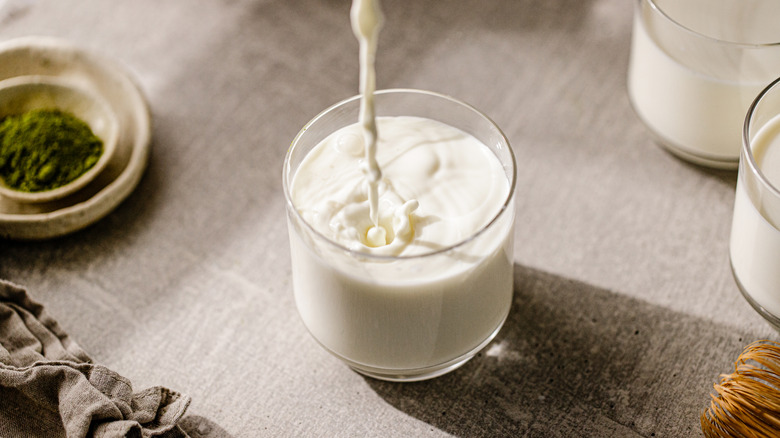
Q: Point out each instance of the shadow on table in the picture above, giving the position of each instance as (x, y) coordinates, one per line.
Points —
(200, 427)
(727, 177)
(577, 360)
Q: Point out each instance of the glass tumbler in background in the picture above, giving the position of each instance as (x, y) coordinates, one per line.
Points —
(694, 68)
(755, 232)
(403, 318)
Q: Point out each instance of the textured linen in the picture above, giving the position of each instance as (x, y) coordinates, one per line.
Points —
(49, 386)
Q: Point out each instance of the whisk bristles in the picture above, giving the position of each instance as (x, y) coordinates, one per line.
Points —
(746, 403)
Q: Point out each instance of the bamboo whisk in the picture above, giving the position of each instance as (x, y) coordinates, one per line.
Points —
(747, 402)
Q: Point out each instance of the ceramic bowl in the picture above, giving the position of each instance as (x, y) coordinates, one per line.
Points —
(24, 93)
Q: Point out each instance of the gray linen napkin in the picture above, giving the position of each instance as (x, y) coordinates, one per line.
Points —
(50, 388)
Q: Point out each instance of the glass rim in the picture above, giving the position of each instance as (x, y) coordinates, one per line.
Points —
(747, 149)
(381, 257)
(685, 28)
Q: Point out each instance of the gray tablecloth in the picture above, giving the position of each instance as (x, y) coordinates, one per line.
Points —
(625, 311)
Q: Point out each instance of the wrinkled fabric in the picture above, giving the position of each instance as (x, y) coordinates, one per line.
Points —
(50, 387)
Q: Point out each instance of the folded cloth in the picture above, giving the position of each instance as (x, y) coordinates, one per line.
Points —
(50, 388)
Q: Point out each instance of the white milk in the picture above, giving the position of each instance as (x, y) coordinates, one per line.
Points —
(406, 270)
(439, 187)
(693, 89)
(755, 239)
(366, 19)
(695, 115)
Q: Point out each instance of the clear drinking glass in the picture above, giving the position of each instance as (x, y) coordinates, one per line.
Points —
(755, 230)
(410, 317)
(695, 66)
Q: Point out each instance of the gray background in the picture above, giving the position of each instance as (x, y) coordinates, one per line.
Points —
(625, 310)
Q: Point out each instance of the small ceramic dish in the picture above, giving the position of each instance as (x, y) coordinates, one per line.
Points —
(111, 80)
(24, 93)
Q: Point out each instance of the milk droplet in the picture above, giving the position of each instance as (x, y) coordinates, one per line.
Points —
(376, 236)
(350, 144)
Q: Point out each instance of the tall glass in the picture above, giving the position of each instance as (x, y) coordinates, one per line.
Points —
(404, 318)
(755, 232)
(695, 66)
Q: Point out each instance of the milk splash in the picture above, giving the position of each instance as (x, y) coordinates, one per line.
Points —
(366, 17)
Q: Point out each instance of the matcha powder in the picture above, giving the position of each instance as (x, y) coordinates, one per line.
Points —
(45, 149)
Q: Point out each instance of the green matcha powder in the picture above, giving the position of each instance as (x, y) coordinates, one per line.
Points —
(45, 149)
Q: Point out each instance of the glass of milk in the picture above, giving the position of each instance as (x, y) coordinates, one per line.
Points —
(695, 66)
(414, 315)
(755, 232)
